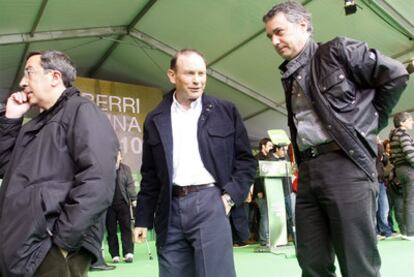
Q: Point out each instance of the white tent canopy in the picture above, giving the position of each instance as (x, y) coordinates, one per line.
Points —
(133, 40)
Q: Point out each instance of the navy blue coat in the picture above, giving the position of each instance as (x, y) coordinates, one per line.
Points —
(224, 149)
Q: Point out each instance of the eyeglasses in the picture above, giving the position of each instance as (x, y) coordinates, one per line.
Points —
(30, 71)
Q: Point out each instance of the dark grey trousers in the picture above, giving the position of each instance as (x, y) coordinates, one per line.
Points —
(335, 214)
(199, 242)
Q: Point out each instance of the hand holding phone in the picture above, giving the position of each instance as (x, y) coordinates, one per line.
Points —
(17, 105)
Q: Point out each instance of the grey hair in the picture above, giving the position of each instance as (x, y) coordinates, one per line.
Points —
(294, 12)
(56, 60)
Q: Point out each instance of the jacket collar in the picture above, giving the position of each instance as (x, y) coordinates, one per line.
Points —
(289, 67)
(162, 121)
(37, 123)
(165, 105)
(44, 116)
(67, 93)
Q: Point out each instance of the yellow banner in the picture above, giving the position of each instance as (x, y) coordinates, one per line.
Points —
(126, 106)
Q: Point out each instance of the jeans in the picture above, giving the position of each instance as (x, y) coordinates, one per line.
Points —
(248, 209)
(289, 215)
(293, 203)
(406, 176)
(383, 227)
(264, 221)
(395, 201)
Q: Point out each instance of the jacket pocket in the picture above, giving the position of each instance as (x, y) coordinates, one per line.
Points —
(338, 90)
(25, 227)
(221, 144)
(221, 131)
(153, 140)
(53, 197)
(221, 137)
(25, 208)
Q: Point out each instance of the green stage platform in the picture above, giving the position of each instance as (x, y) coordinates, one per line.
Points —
(397, 260)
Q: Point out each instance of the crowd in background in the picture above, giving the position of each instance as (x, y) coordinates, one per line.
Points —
(395, 201)
(256, 206)
(395, 165)
(197, 166)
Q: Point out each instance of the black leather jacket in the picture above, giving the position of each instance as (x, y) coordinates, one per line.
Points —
(353, 89)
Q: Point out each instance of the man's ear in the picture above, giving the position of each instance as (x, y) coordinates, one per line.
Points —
(56, 78)
(171, 75)
(304, 25)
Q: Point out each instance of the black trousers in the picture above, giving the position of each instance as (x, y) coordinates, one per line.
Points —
(335, 214)
(100, 258)
(119, 213)
(55, 264)
(199, 242)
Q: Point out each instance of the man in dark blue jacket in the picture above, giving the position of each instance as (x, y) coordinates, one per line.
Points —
(196, 166)
(338, 95)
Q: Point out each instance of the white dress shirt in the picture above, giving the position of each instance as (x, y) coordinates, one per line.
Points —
(188, 168)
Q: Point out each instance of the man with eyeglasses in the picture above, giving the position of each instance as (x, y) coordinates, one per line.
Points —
(58, 173)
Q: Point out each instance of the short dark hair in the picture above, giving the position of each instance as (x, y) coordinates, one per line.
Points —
(400, 118)
(279, 146)
(173, 62)
(293, 11)
(56, 60)
(263, 142)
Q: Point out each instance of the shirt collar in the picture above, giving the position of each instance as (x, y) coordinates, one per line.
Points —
(195, 105)
(289, 67)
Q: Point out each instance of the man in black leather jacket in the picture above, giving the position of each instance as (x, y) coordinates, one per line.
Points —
(339, 95)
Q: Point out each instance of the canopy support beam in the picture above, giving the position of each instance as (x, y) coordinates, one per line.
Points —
(115, 44)
(27, 44)
(58, 35)
(212, 73)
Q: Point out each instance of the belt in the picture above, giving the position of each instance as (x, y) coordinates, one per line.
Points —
(180, 191)
(315, 151)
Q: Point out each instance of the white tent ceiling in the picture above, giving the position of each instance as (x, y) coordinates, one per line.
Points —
(132, 41)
